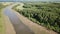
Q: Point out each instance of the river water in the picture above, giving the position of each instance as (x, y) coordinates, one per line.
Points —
(19, 27)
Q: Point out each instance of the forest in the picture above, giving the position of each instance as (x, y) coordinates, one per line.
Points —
(44, 14)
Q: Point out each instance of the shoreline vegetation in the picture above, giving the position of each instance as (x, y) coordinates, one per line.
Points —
(44, 14)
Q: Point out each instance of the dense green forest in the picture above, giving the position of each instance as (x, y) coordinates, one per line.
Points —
(45, 14)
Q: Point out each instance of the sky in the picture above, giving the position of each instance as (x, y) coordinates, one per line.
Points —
(29, 0)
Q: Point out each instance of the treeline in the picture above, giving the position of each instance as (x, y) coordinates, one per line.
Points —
(46, 14)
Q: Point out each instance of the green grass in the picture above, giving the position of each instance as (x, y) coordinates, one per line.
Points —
(2, 27)
(1, 24)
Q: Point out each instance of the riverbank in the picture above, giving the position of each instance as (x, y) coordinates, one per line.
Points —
(5, 25)
(37, 29)
(9, 29)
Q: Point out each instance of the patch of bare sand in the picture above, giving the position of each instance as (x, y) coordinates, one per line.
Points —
(9, 29)
(37, 29)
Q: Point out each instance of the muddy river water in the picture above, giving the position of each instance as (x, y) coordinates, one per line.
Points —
(19, 27)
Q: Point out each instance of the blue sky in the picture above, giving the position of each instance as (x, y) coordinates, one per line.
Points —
(29, 0)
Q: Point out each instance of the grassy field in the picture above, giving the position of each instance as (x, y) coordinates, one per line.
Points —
(2, 26)
(45, 14)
